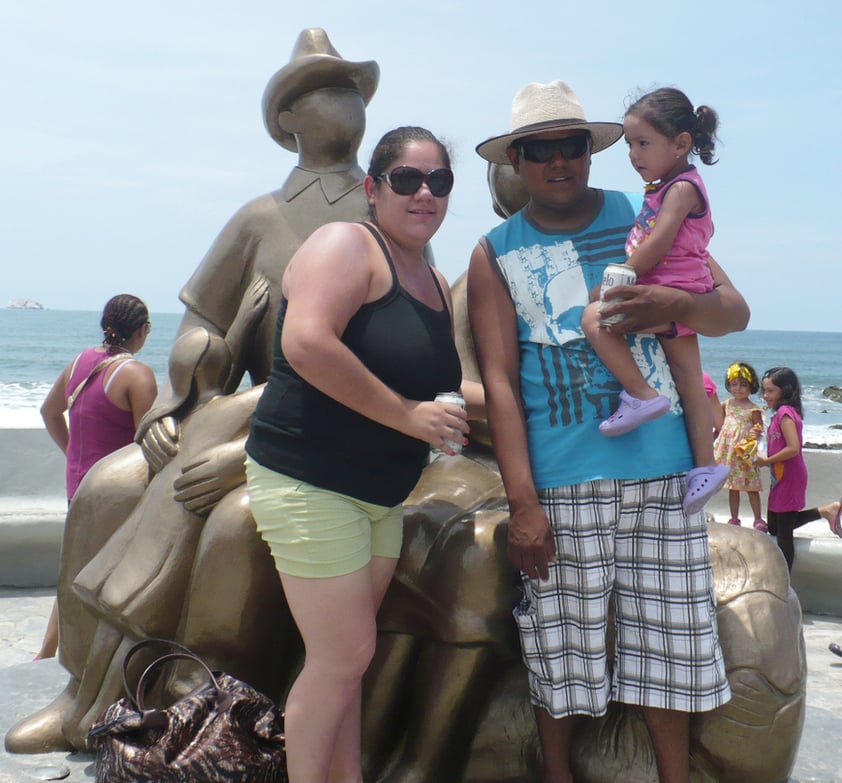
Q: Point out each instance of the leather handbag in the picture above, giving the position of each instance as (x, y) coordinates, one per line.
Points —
(224, 730)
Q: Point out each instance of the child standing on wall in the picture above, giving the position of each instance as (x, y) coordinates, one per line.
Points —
(667, 246)
(736, 445)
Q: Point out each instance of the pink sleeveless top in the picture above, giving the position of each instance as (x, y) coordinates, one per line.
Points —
(97, 425)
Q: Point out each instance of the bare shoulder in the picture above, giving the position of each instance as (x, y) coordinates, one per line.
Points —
(442, 279)
(132, 373)
(686, 194)
(480, 269)
(335, 245)
(352, 236)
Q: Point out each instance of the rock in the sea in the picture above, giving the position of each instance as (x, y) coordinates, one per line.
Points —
(833, 393)
(23, 303)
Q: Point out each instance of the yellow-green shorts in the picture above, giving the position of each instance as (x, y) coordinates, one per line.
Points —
(315, 533)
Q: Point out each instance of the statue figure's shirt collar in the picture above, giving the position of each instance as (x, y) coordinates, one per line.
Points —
(334, 184)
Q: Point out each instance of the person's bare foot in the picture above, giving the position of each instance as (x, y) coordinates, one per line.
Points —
(832, 512)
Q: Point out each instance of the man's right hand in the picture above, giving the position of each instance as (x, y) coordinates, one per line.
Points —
(160, 442)
(530, 544)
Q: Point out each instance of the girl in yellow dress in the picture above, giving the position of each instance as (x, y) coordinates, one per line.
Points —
(736, 444)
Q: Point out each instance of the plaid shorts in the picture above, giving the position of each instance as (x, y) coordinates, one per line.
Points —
(631, 542)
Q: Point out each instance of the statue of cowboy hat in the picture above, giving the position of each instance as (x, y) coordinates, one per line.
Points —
(314, 64)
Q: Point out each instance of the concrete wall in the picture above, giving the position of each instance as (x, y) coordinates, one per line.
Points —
(32, 508)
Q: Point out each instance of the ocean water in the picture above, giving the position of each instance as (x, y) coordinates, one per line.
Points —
(816, 358)
(37, 344)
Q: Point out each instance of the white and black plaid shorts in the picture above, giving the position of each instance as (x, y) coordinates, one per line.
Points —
(630, 541)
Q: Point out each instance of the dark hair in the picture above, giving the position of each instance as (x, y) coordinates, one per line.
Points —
(123, 315)
(670, 112)
(392, 145)
(736, 367)
(787, 381)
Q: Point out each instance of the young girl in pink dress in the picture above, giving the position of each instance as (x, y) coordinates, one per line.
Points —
(667, 246)
(736, 445)
(787, 495)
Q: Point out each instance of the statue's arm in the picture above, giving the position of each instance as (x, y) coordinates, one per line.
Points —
(212, 298)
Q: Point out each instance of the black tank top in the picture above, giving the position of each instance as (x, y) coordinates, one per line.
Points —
(301, 432)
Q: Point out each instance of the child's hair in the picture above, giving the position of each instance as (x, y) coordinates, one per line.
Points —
(787, 381)
(670, 112)
(745, 371)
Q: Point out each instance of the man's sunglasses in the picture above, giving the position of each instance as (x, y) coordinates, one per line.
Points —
(406, 180)
(544, 150)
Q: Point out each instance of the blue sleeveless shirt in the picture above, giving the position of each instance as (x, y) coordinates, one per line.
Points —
(565, 388)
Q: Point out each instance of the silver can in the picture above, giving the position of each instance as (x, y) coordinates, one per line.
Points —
(451, 398)
(614, 275)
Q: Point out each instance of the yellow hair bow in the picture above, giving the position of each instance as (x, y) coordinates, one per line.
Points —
(737, 370)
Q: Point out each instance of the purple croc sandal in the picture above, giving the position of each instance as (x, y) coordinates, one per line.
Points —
(632, 413)
(702, 484)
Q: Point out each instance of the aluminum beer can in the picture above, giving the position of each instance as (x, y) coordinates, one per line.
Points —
(614, 275)
(451, 398)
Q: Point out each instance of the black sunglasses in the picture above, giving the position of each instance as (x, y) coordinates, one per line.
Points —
(406, 180)
(544, 150)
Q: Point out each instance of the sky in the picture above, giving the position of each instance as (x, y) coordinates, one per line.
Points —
(130, 133)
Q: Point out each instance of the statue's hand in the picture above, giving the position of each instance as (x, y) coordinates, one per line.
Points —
(160, 442)
(207, 479)
(256, 297)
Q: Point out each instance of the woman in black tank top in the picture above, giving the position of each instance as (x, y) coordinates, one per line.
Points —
(364, 342)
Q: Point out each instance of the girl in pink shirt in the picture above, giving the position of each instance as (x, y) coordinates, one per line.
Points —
(788, 492)
(667, 246)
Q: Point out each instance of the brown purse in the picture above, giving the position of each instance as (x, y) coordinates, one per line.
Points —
(224, 730)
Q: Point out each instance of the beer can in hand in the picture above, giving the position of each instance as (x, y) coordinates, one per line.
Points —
(451, 398)
(614, 275)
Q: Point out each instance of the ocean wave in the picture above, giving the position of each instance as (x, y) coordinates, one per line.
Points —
(20, 405)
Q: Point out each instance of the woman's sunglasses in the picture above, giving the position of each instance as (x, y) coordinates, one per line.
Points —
(406, 180)
(544, 150)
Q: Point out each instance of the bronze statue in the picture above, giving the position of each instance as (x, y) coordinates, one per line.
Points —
(314, 105)
(446, 697)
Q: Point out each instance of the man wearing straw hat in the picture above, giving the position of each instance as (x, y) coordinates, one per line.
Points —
(592, 519)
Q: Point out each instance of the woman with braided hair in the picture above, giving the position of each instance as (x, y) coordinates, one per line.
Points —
(105, 392)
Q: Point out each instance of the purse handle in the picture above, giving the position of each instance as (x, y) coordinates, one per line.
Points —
(104, 363)
(152, 717)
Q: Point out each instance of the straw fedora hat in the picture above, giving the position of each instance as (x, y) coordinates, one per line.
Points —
(538, 108)
(314, 64)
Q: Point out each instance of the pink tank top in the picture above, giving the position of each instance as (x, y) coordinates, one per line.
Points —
(97, 425)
